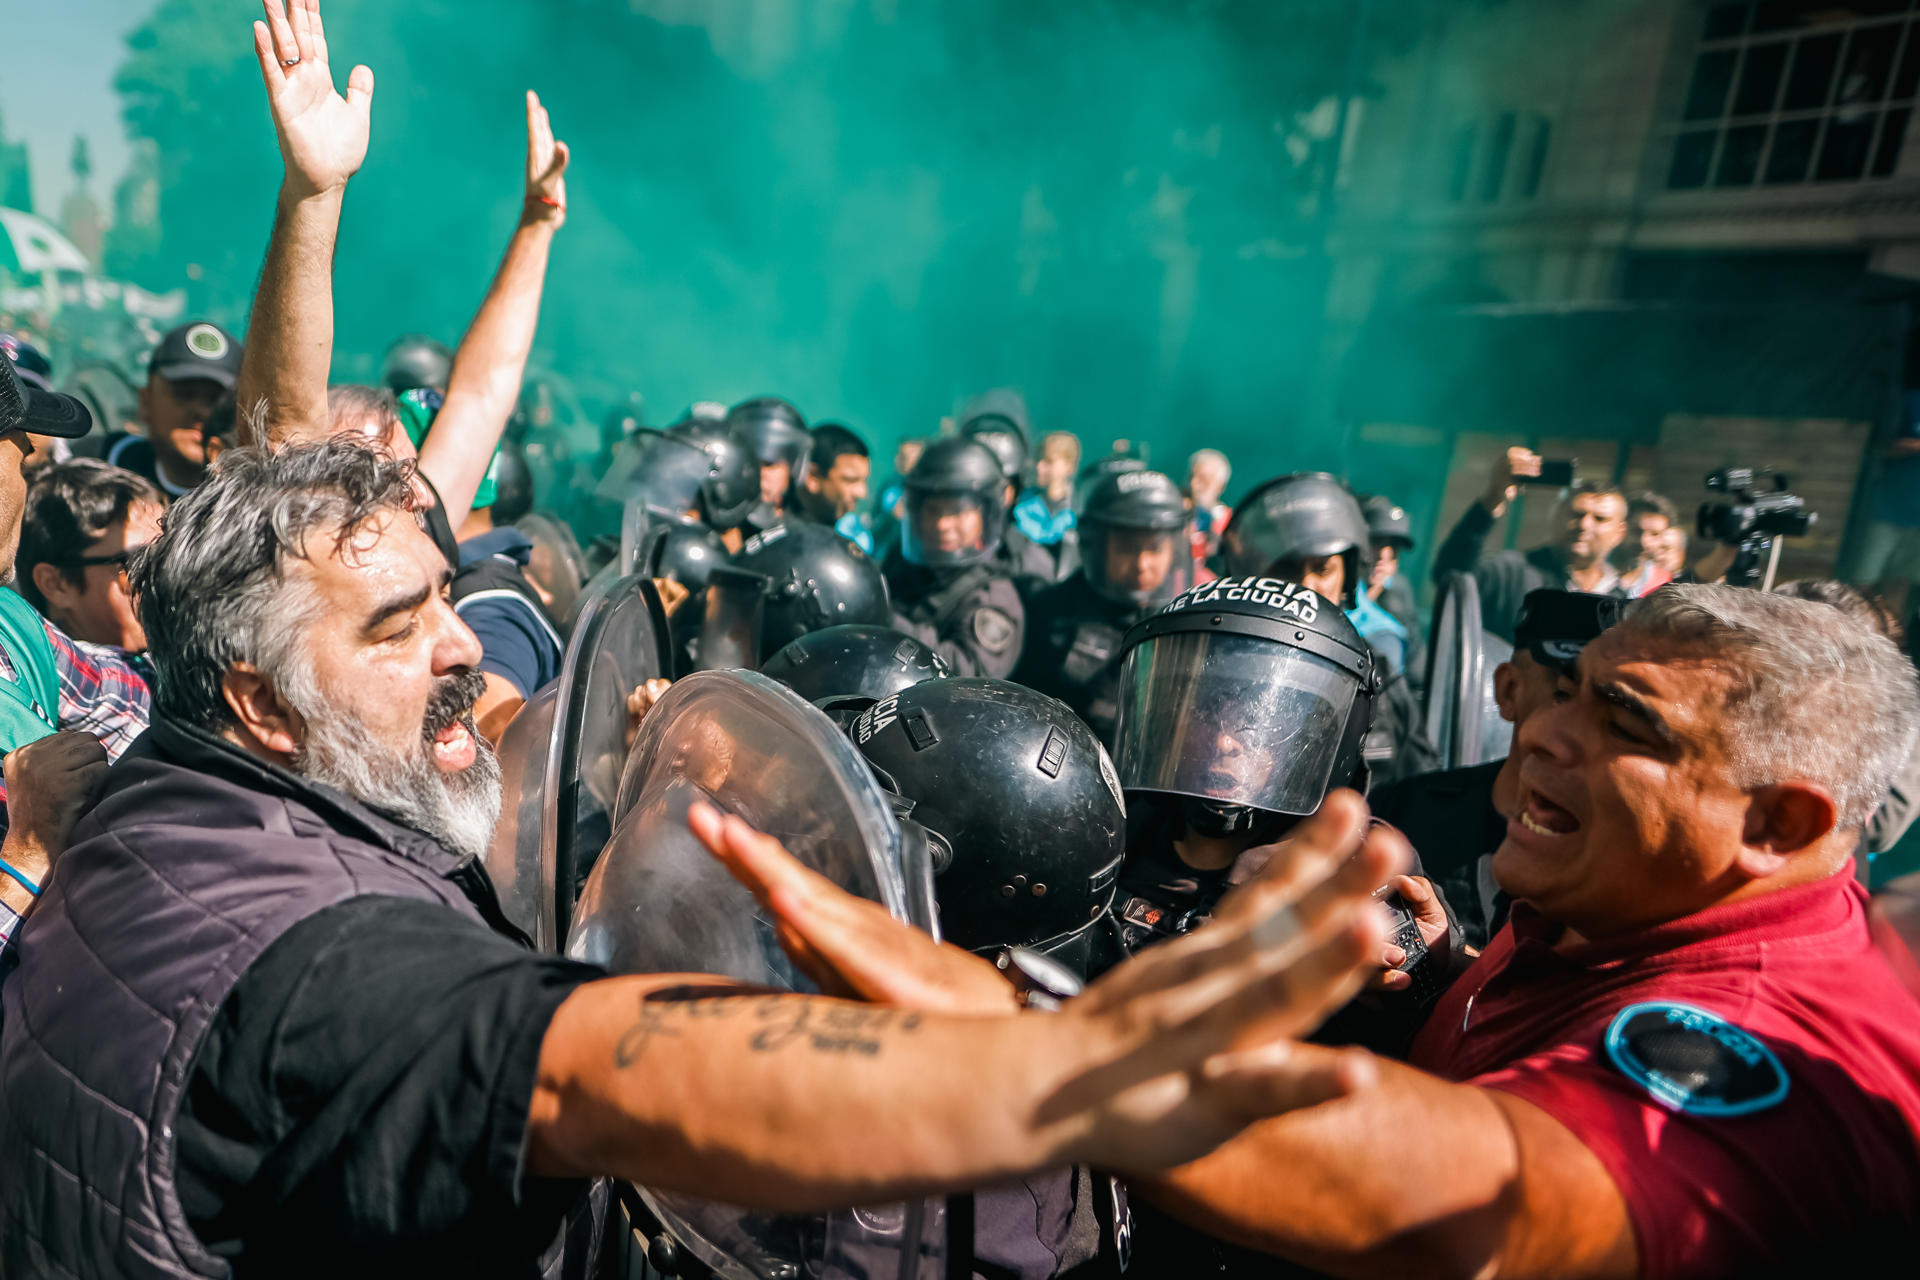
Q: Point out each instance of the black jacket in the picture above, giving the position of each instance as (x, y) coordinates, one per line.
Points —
(1505, 577)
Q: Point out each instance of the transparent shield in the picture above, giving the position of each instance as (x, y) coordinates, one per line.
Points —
(514, 858)
(618, 644)
(557, 565)
(1135, 566)
(730, 630)
(944, 529)
(1462, 715)
(1237, 719)
(658, 902)
(656, 471)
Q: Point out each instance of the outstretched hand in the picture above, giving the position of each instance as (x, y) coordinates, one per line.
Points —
(323, 136)
(850, 947)
(546, 167)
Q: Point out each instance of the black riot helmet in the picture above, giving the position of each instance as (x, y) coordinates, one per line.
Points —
(775, 429)
(1298, 517)
(685, 551)
(1002, 435)
(416, 361)
(1020, 804)
(956, 505)
(700, 469)
(814, 579)
(1388, 524)
(1247, 697)
(732, 485)
(1099, 469)
(849, 662)
(1133, 539)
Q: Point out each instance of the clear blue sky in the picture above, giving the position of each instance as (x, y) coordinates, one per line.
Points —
(56, 80)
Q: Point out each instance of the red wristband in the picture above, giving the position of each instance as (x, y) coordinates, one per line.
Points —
(549, 201)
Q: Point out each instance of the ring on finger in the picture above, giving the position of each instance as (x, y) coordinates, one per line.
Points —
(289, 62)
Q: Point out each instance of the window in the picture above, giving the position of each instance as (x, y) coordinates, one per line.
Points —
(1505, 161)
(1789, 92)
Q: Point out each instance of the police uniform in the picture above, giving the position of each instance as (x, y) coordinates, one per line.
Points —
(971, 617)
(1131, 522)
(961, 600)
(1073, 650)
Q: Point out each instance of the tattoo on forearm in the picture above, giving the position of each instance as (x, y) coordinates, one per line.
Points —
(824, 1026)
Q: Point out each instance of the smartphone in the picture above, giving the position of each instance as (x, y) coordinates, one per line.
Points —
(1555, 473)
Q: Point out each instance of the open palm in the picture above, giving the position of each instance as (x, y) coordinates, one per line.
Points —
(323, 136)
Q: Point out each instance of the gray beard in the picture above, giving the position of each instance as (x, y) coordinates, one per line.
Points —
(457, 810)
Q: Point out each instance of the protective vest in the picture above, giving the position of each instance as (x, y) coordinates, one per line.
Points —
(173, 886)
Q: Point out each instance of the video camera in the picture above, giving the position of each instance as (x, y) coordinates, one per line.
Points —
(1752, 519)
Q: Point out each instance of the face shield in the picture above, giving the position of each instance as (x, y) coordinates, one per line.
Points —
(1233, 719)
(659, 474)
(1135, 566)
(945, 528)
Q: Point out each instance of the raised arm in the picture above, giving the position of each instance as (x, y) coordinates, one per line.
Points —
(323, 142)
(795, 1102)
(492, 359)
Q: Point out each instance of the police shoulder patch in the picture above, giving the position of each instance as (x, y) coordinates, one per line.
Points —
(1695, 1061)
(993, 629)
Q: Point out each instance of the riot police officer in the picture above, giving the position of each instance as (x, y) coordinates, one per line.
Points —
(1308, 528)
(1242, 704)
(948, 588)
(1133, 559)
(698, 471)
(993, 774)
(779, 438)
(1033, 566)
(805, 578)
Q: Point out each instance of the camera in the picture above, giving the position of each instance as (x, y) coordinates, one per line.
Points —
(1757, 512)
(1751, 513)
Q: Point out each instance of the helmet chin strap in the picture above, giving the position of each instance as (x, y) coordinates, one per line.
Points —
(1218, 821)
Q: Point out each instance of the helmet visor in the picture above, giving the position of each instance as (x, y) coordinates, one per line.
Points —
(1135, 566)
(658, 473)
(1235, 719)
(945, 528)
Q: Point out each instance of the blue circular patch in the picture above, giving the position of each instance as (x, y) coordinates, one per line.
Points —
(1694, 1061)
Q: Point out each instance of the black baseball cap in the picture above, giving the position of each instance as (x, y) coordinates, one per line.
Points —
(42, 413)
(198, 350)
(1554, 625)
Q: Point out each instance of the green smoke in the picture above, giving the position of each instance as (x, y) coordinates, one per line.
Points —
(873, 207)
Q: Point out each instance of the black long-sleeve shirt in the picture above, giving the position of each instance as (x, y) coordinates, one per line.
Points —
(1505, 577)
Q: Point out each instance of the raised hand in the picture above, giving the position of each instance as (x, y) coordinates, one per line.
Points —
(323, 136)
(546, 167)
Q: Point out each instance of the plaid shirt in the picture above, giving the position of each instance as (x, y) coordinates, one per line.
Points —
(104, 691)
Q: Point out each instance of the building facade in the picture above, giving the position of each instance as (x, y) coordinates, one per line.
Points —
(1659, 236)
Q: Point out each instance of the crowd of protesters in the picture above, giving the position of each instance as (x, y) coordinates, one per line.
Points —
(255, 655)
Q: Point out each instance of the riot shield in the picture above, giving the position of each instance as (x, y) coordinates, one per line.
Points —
(736, 606)
(514, 858)
(657, 902)
(558, 566)
(618, 644)
(1463, 720)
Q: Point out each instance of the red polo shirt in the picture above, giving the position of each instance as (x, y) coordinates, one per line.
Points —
(1749, 1076)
